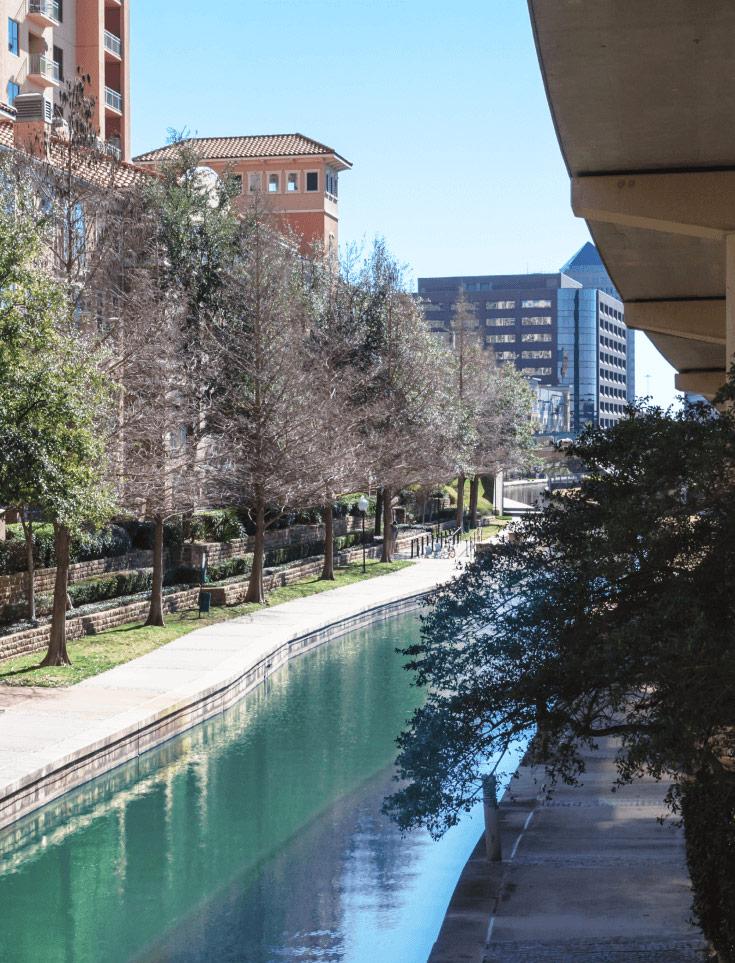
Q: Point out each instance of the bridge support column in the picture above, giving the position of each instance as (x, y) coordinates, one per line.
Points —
(729, 301)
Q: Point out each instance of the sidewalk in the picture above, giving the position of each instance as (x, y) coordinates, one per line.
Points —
(54, 739)
(587, 877)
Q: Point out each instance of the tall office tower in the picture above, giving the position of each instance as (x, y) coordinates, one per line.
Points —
(48, 41)
(586, 267)
(564, 330)
(294, 177)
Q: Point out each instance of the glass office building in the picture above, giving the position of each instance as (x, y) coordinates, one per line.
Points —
(565, 329)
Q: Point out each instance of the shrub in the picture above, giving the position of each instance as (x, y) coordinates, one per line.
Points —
(708, 808)
(182, 575)
(217, 525)
(142, 534)
(350, 502)
(108, 542)
(241, 565)
(109, 586)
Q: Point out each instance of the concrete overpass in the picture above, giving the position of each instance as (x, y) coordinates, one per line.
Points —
(643, 101)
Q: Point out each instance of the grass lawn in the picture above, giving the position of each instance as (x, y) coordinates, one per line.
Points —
(98, 653)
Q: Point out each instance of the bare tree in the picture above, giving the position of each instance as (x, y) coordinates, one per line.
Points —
(409, 415)
(263, 426)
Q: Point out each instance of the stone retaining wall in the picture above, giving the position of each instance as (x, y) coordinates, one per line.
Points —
(276, 538)
(13, 587)
(30, 640)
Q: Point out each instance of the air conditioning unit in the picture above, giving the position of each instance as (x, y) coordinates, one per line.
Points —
(33, 107)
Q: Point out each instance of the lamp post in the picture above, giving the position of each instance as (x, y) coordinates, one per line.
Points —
(362, 506)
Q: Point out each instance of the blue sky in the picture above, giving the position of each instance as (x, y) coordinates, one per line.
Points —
(440, 108)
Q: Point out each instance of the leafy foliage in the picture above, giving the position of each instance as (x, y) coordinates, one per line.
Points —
(610, 613)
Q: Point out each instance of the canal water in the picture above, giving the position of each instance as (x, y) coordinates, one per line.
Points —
(255, 837)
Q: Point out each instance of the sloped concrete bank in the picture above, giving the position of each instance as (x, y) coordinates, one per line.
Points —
(53, 740)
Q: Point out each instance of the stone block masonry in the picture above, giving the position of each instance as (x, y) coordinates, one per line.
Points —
(13, 587)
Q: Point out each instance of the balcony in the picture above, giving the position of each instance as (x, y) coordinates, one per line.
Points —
(44, 71)
(113, 45)
(46, 13)
(113, 100)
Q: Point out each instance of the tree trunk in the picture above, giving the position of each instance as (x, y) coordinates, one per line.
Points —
(57, 654)
(30, 564)
(155, 612)
(387, 555)
(378, 510)
(474, 496)
(459, 517)
(255, 591)
(328, 568)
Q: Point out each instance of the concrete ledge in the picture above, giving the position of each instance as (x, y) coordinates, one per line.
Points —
(110, 719)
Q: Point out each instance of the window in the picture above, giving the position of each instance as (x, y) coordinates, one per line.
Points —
(59, 60)
(273, 183)
(506, 355)
(13, 44)
(537, 320)
(432, 307)
(500, 322)
(492, 305)
(536, 336)
(536, 304)
(330, 178)
(13, 91)
(499, 338)
(312, 181)
(536, 371)
(292, 184)
(546, 355)
(253, 183)
(234, 183)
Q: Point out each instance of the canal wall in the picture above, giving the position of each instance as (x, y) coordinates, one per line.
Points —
(55, 740)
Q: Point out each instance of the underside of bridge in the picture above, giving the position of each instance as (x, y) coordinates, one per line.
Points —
(642, 93)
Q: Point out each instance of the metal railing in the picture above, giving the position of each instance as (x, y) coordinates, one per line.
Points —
(51, 9)
(44, 67)
(113, 43)
(113, 98)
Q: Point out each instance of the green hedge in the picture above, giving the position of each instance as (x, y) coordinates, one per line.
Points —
(109, 542)
(708, 808)
(109, 586)
(216, 525)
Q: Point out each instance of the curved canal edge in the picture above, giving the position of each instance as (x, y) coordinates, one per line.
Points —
(55, 740)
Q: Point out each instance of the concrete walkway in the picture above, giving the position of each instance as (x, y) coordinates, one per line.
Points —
(588, 877)
(54, 739)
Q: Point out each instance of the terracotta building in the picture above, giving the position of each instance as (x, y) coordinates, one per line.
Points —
(47, 41)
(294, 176)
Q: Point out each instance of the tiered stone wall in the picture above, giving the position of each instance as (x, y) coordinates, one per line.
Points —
(29, 640)
(13, 587)
(276, 538)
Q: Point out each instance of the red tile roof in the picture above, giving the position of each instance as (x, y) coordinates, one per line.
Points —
(103, 171)
(233, 148)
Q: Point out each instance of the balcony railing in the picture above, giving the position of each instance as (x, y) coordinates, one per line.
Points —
(113, 99)
(113, 44)
(48, 9)
(41, 66)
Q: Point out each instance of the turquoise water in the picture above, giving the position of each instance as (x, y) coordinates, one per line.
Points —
(255, 837)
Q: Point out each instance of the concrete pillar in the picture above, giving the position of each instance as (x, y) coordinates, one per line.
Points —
(499, 482)
(492, 822)
(729, 300)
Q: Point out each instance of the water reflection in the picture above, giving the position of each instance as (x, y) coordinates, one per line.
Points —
(257, 836)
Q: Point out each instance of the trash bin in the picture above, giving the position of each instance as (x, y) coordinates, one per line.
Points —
(205, 601)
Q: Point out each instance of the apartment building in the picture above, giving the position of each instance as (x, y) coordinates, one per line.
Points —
(563, 330)
(48, 40)
(293, 176)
